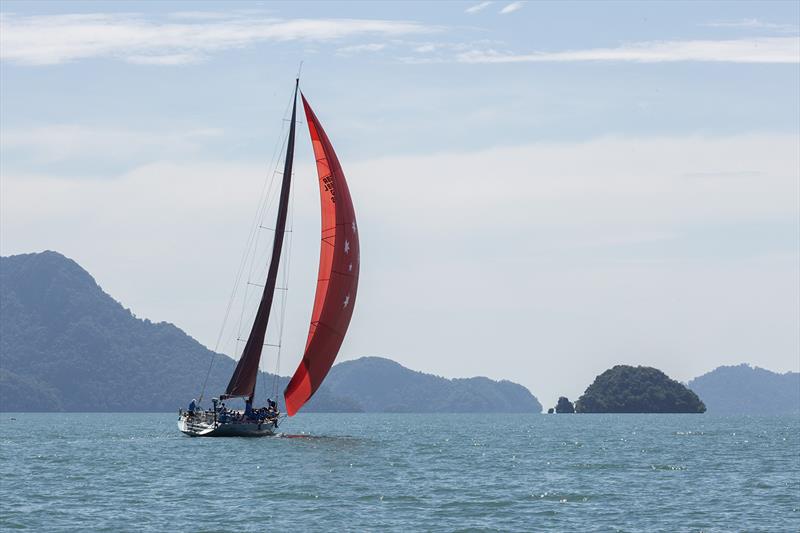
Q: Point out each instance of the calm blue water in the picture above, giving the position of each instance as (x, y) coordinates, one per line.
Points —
(136, 472)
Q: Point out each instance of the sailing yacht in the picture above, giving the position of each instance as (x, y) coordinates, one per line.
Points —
(334, 300)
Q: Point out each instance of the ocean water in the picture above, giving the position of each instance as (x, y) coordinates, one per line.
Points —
(401, 472)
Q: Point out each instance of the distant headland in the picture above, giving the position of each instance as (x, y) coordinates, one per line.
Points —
(744, 389)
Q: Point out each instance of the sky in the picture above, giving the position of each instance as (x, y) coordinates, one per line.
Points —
(543, 190)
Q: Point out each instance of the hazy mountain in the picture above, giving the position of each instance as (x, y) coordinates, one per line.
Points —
(385, 386)
(744, 389)
(65, 345)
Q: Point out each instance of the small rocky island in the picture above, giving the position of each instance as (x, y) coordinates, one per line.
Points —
(639, 389)
(564, 406)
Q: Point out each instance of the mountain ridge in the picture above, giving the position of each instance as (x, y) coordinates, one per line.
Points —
(746, 389)
(66, 345)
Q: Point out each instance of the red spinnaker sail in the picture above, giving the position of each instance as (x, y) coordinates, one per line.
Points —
(338, 272)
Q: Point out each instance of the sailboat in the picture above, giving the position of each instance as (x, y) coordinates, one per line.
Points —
(334, 300)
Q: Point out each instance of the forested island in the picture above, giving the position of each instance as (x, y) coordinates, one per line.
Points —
(640, 389)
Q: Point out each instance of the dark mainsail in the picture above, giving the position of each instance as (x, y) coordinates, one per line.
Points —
(338, 272)
(243, 381)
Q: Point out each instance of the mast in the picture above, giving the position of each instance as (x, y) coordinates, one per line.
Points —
(243, 380)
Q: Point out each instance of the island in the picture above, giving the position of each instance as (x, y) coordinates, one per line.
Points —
(564, 406)
(637, 389)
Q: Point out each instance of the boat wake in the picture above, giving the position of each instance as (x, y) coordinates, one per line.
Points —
(306, 436)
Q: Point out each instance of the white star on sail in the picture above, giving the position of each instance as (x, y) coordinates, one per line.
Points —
(354, 227)
(346, 300)
(350, 267)
(346, 246)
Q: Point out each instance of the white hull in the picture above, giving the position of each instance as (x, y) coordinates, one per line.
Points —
(196, 427)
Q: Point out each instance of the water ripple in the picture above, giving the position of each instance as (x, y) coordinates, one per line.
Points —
(135, 472)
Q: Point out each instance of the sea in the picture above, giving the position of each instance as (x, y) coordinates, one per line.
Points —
(403, 472)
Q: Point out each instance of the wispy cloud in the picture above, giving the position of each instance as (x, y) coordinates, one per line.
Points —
(65, 143)
(49, 40)
(202, 15)
(510, 8)
(756, 50)
(425, 48)
(751, 24)
(165, 59)
(477, 7)
(359, 48)
(441, 52)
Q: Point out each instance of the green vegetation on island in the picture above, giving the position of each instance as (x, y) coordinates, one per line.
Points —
(640, 389)
(564, 406)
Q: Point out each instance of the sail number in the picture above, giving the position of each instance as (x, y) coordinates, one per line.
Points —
(327, 182)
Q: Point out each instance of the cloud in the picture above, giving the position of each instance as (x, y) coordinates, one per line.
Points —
(426, 48)
(477, 7)
(166, 59)
(359, 48)
(510, 8)
(90, 147)
(206, 15)
(753, 50)
(441, 52)
(54, 39)
(604, 181)
(751, 24)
